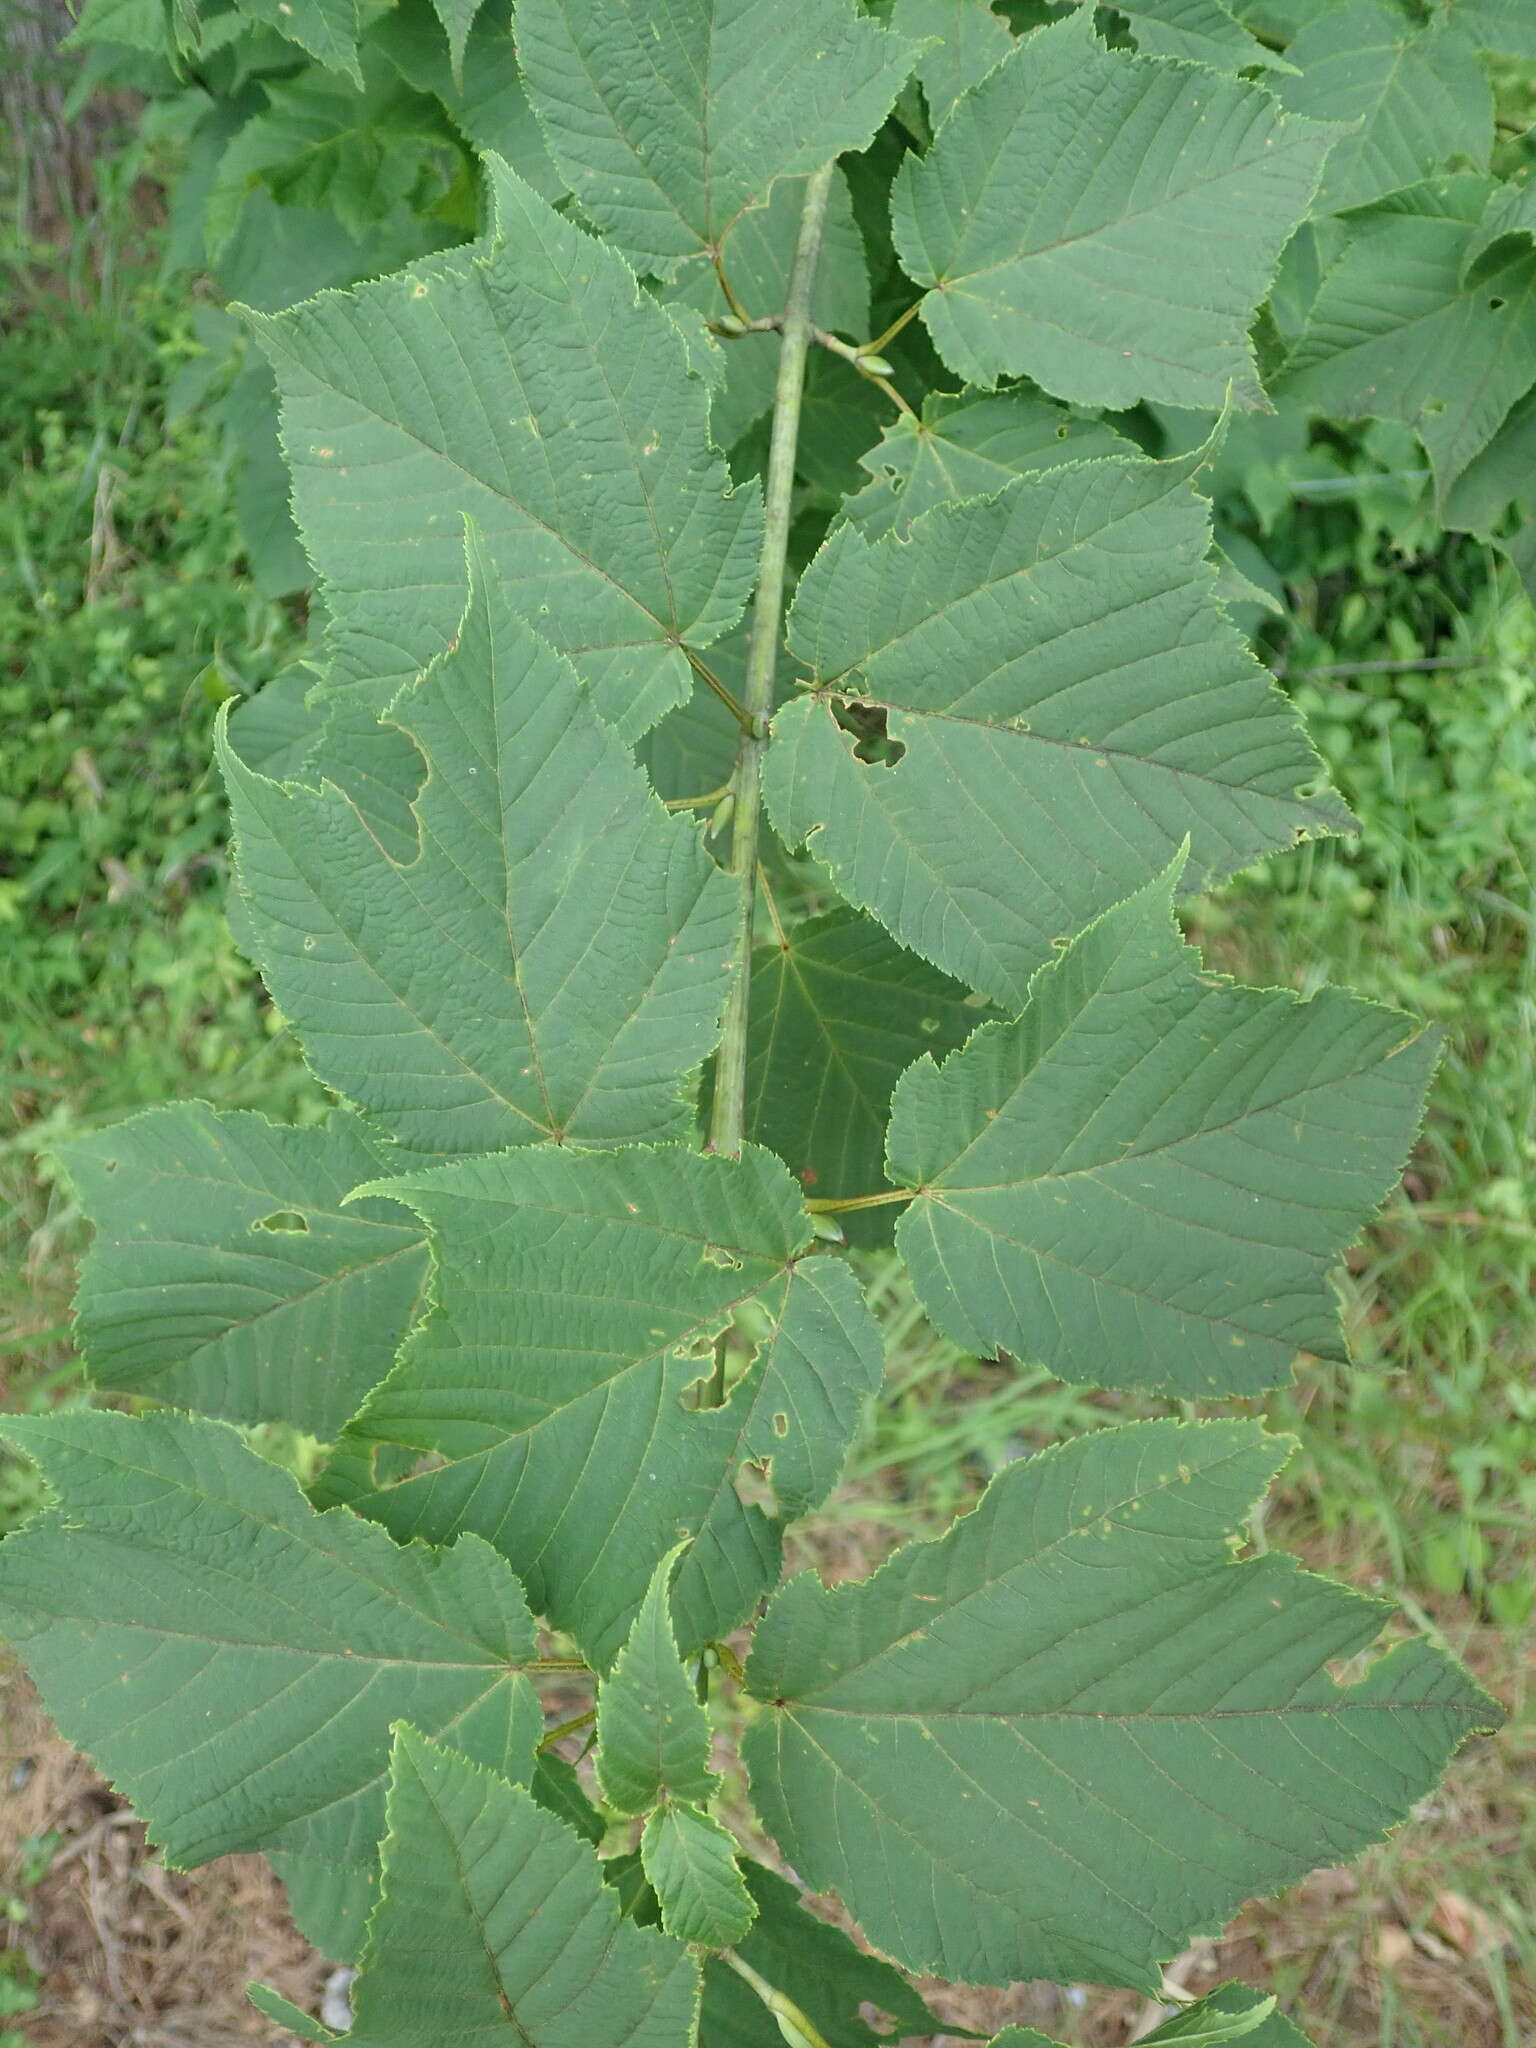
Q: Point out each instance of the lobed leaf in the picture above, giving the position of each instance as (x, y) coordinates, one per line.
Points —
(578, 1298)
(1502, 477)
(1398, 330)
(670, 123)
(967, 445)
(965, 41)
(1070, 704)
(652, 1731)
(552, 963)
(495, 1924)
(1105, 224)
(227, 1276)
(527, 382)
(1415, 98)
(1074, 1731)
(1145, 1180)
(234, 1659)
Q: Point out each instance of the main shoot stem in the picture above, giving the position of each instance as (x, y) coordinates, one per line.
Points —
(728, 1114)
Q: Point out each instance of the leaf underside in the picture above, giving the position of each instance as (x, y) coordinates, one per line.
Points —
(495, 1924)
(1105, 224)
(1074, 1732)
(1072, 704)
(752, 91)
(552, 963)
(234, 1659)
(578, 1299)
(527, 382)
(1144, 1181)
(227, 1276)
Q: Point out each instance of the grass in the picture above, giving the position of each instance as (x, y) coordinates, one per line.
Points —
(127, 614)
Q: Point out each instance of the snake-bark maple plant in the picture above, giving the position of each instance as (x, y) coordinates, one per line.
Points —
(560, 1287)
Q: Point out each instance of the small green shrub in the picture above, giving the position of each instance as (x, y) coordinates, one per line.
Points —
(578, 1336)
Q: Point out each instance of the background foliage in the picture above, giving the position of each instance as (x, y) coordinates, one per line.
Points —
(149, 572)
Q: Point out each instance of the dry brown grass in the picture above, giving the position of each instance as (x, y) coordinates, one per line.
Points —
(132, 1955)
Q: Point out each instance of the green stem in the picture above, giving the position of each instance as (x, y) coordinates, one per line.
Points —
(572, 1727)
(729, 1113)
(696, 803)
(799, 2028)
(833, 1205)
(877, 347)
(707, 675)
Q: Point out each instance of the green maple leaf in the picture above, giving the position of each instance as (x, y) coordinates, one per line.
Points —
(1416, 99)
(233, 1659)
(528, 382)
(495, 1924)
(1074, 1731)
(226, 1275)
(969, 444)
(965, 40)
(1408, 324)
(671, 123)
(551, 963)
(1070, 703)
(1145, 1180)
(578, 1297)
(1105, 224)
